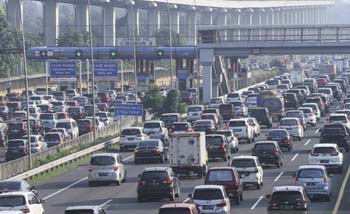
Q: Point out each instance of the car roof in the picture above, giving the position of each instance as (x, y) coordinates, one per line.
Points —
(154, 121)
(239, 119)
(244, 157)
(287, 188)
(157, 168)
(266, 141)
(180, 205)
(299, 111)
(325, 145)
(338, 114)
(87, 207)
(15, 193)
(209, 187)
(311, 167)
(170, 114)
(202, 106)
(104, 154)
(221, 168)
(290, 118)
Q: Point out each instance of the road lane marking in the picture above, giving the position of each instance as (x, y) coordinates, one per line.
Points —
(186, 200)
(278, 176)
(257, 202)
(317, 131)
(129, 157)
(294, 157)
(341, 192)
(105, 203)
(65, 188)
(307, 142)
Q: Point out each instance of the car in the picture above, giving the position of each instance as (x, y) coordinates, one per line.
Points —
(63, 131)
(328, 92)
(325, 99)
(153, 149)
(106, 117)
(256, 126)
(76, 112)
(156, 129)
(293, 126)
(5, 112)
(207, 126)
(217, 146)
(310, 116)
(240, 108)
(37, 143)
(53, 138)
(216, 102)
(180, 127)
(291, 100)
(329, 155)
(211, 199)
(17, 186)
(315, 109)
(106, 168)
(233, 97)
(335, 133)
(315, 180)
(178, 208)
(211, 116)
(62, 115)
(242, 129)
(343, 111)
(194, 112)
(297, 114)
(249, 169)
(85, 209)
(70, 125)
(252, 100)
(339, 118)
(26, 202)
(288, 198)
(282, 137)
(158, 183)
(337, 92)
(227, 112)
(261, 115)
(130, 137)
(85, 126)
(48, 120)
(170, 118)
(16, 148)
(268, 152)
(231, 138)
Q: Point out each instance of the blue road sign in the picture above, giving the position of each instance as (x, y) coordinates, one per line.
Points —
(62, 71)
(128, 110)
(106, 70)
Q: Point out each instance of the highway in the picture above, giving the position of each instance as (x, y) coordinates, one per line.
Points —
(71, 188)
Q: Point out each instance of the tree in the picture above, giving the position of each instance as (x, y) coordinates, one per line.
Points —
(153, 101)
(74, 38)
(163, 36)
(171, 102)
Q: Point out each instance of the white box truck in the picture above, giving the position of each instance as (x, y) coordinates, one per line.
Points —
(188, 153)
(297, 77)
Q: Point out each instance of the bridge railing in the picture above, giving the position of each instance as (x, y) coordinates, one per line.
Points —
(308, 33)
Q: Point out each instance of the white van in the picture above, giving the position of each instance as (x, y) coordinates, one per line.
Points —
(70, 125)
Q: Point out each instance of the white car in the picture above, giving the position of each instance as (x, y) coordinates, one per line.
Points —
(156, 129)
(327, 154)
(240, 108)
(84, 209)
(215, 102)
(194, 112)
(249, 169)
(293, 126)
(235, 96)
(106, 117)
(256, 126)
(340, 118)
(27, 202)
(310, 117)
(232, 139)
(48, 120)
(70, 125)
(242, 129)
(218, 202)
(130, 137)
(252, 101)
(314, 107)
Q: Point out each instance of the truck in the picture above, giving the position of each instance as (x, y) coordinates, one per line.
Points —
(273, 101)
(330, 69)
(297, 77)
(188, 153)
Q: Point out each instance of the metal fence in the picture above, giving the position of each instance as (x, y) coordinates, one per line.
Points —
(12, 168)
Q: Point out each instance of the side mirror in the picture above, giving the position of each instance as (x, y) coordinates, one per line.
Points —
(268, 196)
(139, 175)
(42, 201)
(190, 195)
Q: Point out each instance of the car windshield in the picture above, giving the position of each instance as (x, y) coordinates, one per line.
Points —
(310, 173)
(289, 123)
(286, 196)
(278, 133)
(237, 123)
(12, 201)
(148, 144)
(264, 147)
(175, 210)
(243, 163)
(324, 150)
(293, 114)
(202, 123)
(207, 194)
(220, 175)
(232, 95)
(131, 132)
(169, 118)
(151, 125)
(80, 211)
(226, 133)
(336, 118)
(102, 160)
(213, 140)
(52, 137)
(46, 116)
(179, 127)
(9, 186)
(65, 125)
(154, 175)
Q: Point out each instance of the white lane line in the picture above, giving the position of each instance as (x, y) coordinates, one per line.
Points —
(278, 176)
(65, 188)
(307, 142)
(105, 203)
(341, 192)
(129, 157)
(257, 202)
(186, 200)
(294, 157)
(317, 131)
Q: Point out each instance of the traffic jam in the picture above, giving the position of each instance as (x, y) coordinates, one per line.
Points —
(227, 148)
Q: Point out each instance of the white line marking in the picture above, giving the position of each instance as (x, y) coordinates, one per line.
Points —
(278, 176)
(317, 131)
(129, 157)
(341, 192)
(257, 202)
(65, 188)
(186, 200)
(307, 142)
(105, 203)
(294, 157)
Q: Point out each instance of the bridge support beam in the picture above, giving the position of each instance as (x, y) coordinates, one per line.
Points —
(175, 21)
(223, 20)
(277, 12)
(271, 16)
(153, 21)
(133, 18)
(14, 10)
(191, 27)
(51, 22)
(207, 17)
(109, 22)
(82, 17)
(206, 59)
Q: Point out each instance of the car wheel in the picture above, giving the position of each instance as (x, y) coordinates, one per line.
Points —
(340, 169)
(178, 192)
(172, 196)
(124, 179)
(139, 199)
(258, 186)
(328, 197)
(161, 159)
(300, 138)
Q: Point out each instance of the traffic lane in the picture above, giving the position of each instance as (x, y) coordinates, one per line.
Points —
(345, 202)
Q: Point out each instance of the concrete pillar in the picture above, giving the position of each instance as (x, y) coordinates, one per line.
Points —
(175, 21)
(271, 16)
(51, 22)
(276, 15)
(133, 12)
(223, 20)
(109, 22)
(281, 16)
(14, 10)
(153, 21)
(206, 59)
(82, 17)
(256, 18)
(304, 11)
(191, 27)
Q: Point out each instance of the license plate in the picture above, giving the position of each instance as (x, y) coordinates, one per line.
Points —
(311, 184)
(102, 174)
(236, 130)
(208, 207)
(324, 161)
(130, 138)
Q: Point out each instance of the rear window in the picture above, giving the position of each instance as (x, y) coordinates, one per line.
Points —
(272, 82)
(65, 125)
(278, 133)
(236, 103)
(179, 127)
(310, 173)
(175, 210)
(213, 140)
(154, 175)
(293, 114)
(207, 194)
(264, 147)
(286, 196)
(215, 101)
(226, 133)
(194, 109)
(52, 137)
(324, 150)
(46, 116)
(243, 163)
(16, 143)
(233, 95)
(151, 125)
(220, 175)
(202, 123)
(15, 126)
(226, 107)
(306, 111)
(102, 160)
(169, 118)
(83, 123)
(289, 122)
(8, 186)
(237, 123)
(12, 201)
(131, 132)
(334, 129)
(336, 118)
(148, 143)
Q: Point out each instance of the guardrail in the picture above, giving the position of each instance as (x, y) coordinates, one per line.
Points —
(15, 167)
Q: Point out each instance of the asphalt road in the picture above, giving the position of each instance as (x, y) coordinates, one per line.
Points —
(71, 188)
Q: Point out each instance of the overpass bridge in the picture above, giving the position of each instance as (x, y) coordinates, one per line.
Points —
(151, 16)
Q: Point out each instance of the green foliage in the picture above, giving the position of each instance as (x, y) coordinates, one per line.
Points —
(182, 108)
(74, 38)
(153, 101)
(171, 102)
(162, 38)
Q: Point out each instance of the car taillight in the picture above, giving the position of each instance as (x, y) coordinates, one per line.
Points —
(335, 154)
(167, 181)
(25, 210)
(141, 182)
(116, 168)
(138, 135)
(314, 154)
(90, 168)
(325, 180)
(221, 204)
(222, 146)
(286, 140)
(274, 203)
(300, 202)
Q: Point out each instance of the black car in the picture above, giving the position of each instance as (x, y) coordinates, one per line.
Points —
(16, 130)
(16, 148)
(299, 94)
(150, 150)
(282, 137)
(336, 133)
(169, 118)
(206, 126)
(291, 101)
(337, 93)
(158, 183)
(76, 112)
(268, 152)
(261, 115)
(217, 146)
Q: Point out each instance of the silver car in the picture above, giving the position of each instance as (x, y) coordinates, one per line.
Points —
(315, 180)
